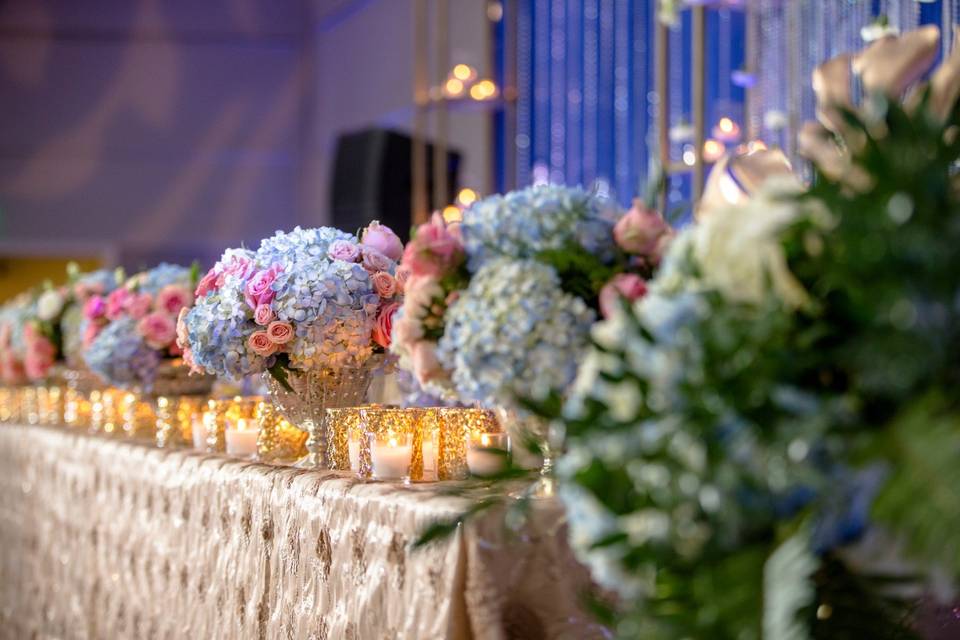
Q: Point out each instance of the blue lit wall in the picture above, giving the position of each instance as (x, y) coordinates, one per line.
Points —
(585, 109)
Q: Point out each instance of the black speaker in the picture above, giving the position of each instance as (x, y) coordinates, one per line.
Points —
(372, 180)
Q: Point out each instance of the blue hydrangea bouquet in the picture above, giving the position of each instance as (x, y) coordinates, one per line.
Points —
(305, 300)
(499, 307)
(130, 332)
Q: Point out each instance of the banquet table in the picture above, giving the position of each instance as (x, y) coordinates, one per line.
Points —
(105, 538)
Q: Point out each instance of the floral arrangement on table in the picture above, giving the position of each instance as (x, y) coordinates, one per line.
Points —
(765, 445)
(499, 306)
(40, 326)
(13, 319)
(131, 331)
(304, 300)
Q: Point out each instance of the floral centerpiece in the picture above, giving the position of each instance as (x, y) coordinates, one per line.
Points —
(765, 445)
(13, 319)
(310, 309)
(305, 300)
(499, 307)
(42, 327)
(130, 334)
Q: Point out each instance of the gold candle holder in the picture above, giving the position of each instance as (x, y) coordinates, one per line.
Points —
(214, 425)
(221, 412)
(175, 420)
(279, 440)
(53, 412)
(455, 425)
(139, 417)
(6, 404)
(343, 428)
(378, 421)
(29, 409)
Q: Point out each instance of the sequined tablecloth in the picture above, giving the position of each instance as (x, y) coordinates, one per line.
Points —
(108, 539)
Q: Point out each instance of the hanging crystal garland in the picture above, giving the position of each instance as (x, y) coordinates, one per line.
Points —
(590, 89)
(558, 48)
(623, 155)
(524, 93)
(574, 97)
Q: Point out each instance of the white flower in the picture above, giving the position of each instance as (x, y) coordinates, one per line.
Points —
(49, 304)
(739, 252)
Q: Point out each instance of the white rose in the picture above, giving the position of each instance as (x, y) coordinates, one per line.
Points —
(49, 305)
(740, 253)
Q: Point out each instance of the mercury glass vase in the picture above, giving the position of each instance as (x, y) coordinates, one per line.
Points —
(313, 392)
(548, 436)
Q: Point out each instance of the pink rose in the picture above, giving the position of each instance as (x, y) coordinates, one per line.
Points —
(426, 367)
(384, 284)
(90, 334)
(138, 305)
(280, 332)
(183, 340)
(343, 250)
(625, 285)
(374, 261)
(258, 291)
(40, 353)
(639, 231)
(94, 308)
(188, 360)
(263, 315)
(83, 290)
(383, 239)
(117, 303)
(172, 298)
(403, 274)
(383, 327)
(239, 267)
(260, 344)
(435, 249)
(11, 370)
(158, 330)
(207, 283)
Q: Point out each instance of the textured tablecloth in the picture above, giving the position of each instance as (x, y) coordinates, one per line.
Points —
(108, 539)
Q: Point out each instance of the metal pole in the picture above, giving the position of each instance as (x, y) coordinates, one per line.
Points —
(663, 105)
(440, 196)
(421, 97)
(699, 98)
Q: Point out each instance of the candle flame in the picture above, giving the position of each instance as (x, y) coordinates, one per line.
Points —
(485, 440)
(241, 424)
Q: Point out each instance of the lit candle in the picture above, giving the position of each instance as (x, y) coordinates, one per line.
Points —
(353, 444)
(242, 441)
(390, 456)
(199, 431)
(430, 449)
(487, 453)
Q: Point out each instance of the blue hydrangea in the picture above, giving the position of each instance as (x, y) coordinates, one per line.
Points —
(155, 279)
(300, 245)
(514, 333)
(120, 356)
(523, 223)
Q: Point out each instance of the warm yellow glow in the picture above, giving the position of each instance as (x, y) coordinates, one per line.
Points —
(485, 440)
(726, 125)
(756, 145)
(241, 424)
(463, 72)
(487, 87)
(467, 197)
(454, 87)
(452, 213)
(477, 93)
(392, 442)
(713, 150)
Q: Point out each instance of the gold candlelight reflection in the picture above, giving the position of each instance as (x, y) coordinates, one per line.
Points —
(279, 440)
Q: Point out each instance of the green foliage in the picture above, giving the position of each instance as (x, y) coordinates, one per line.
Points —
(280, 371)
(581, 273)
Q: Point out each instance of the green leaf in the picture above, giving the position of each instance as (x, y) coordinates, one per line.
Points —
(281, 371)
(195, 273)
